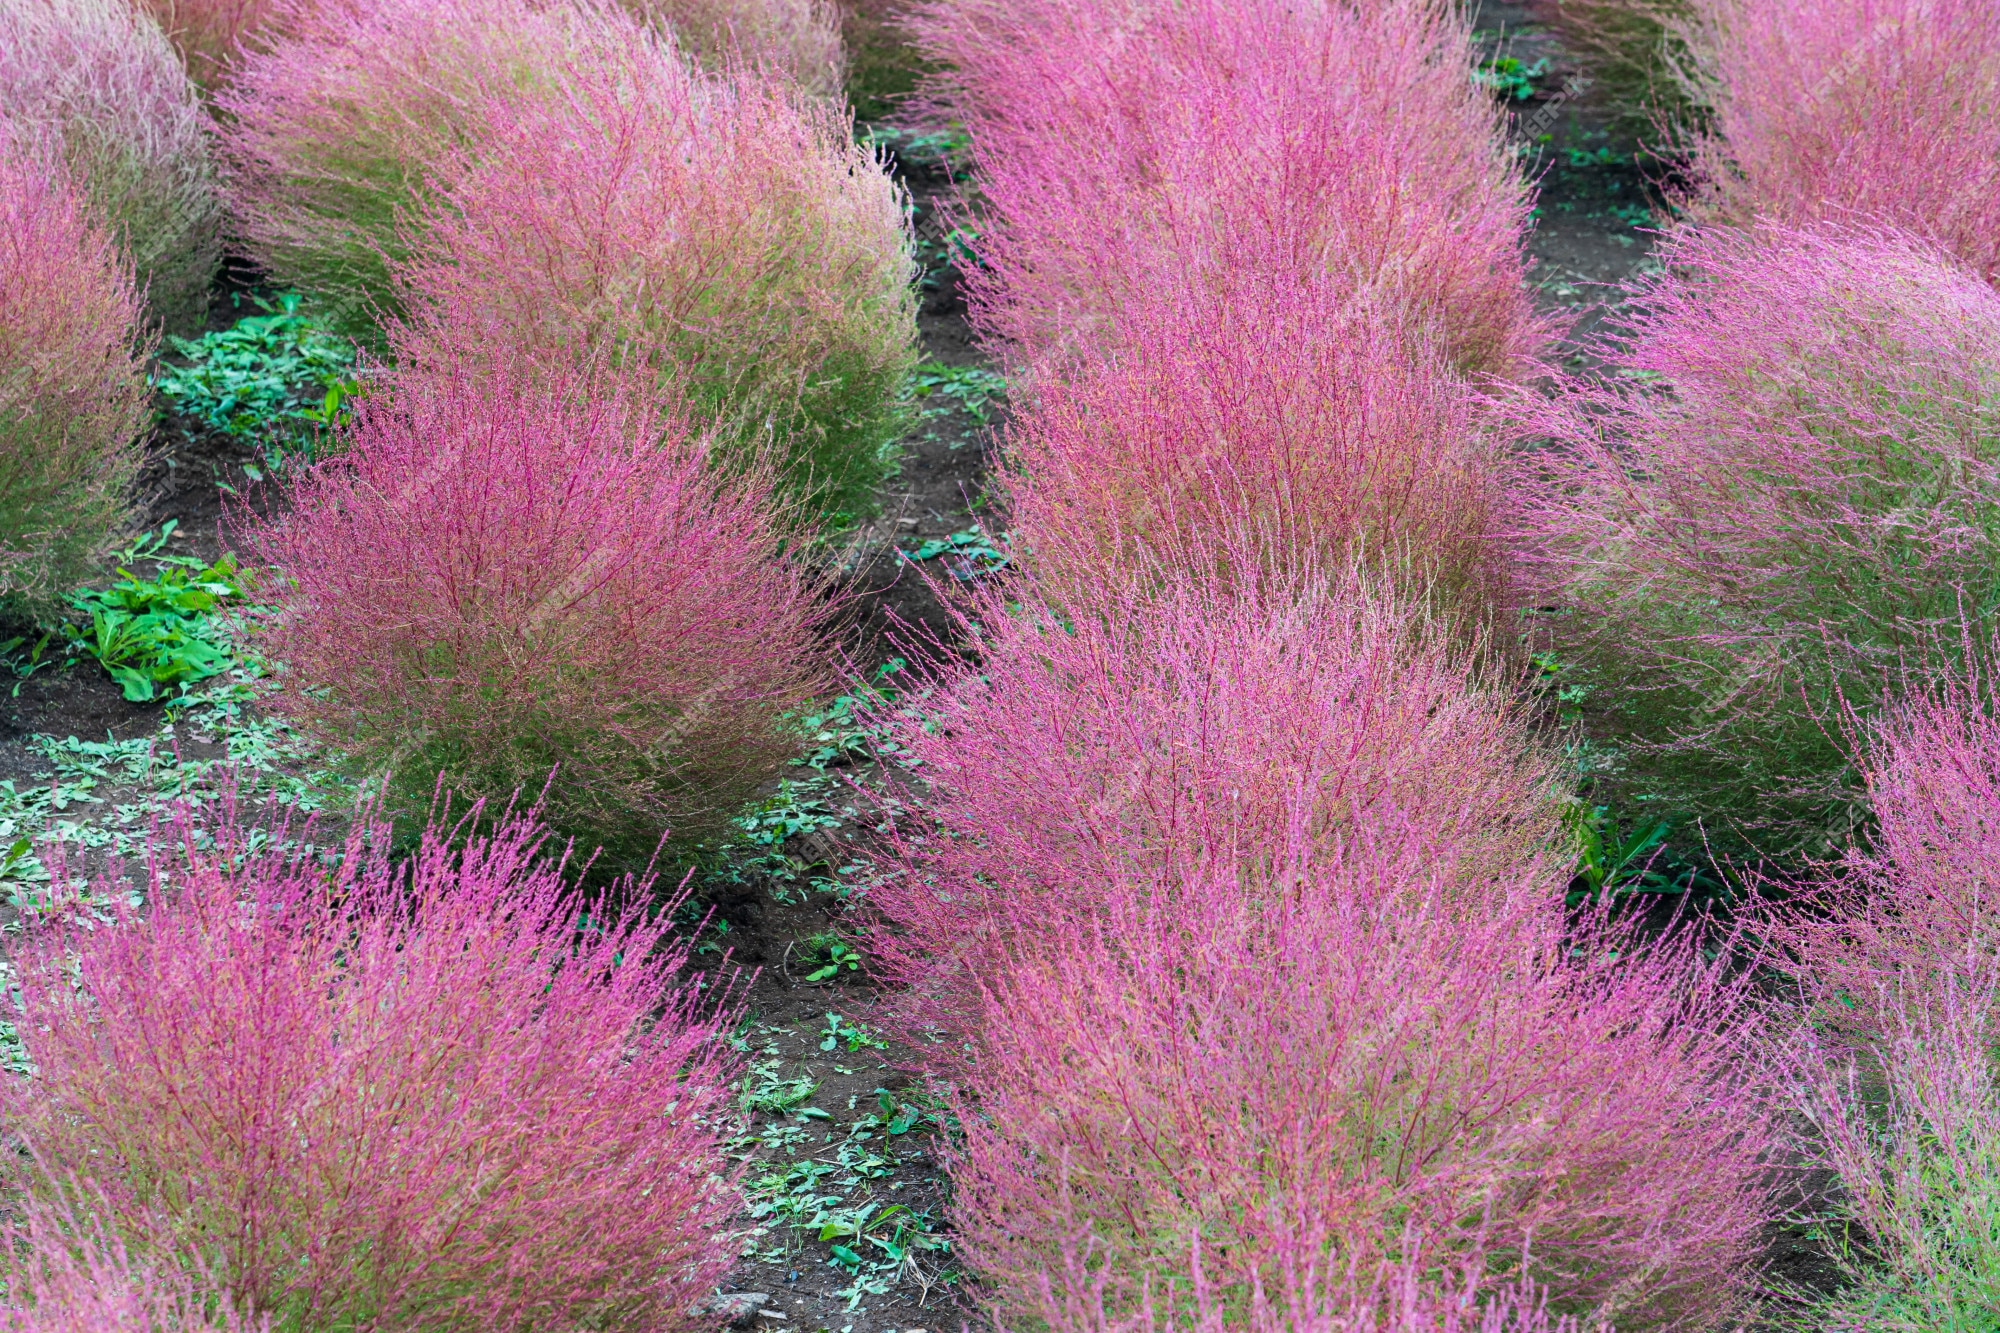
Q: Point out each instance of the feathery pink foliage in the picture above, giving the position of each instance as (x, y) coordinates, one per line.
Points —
(1786, 497)
(96, 80)
(718, 231)
(1846, 110)
(1321, 1065)
(210, 34)
(72, 393)
(1171, 724)
(385, 1095)
(335, 135)
(798, 38)
(1272, 410)
(1919, 902)
(511, 573)
(1909, 1122)
(1116, 141)
(66, 1274)
(1232, 916)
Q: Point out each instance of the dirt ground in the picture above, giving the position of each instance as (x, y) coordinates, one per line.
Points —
(845, 1213)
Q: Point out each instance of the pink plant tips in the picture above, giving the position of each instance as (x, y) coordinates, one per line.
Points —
(1117, 141)
(439, 1093)
(1785, 500)
(1273, 411)
(96, 80)
(337, 131)
(506, 578)
(72, 391)
(1844, 110)
(66, 1274)
(717, 232)
(1237, 907)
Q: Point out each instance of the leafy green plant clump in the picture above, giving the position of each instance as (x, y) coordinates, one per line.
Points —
(155, 634)
(276, 378)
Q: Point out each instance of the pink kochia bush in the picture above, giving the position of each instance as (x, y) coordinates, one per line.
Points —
(96, 80)
(336, 132)
(1846, 109)
(1899, 1078)
(1125, 729)
(1269, 410)
(1116, 141)
(439, 1093)
(716, 231)
(72, 393)
(501, 580)
(1784, 500)
(1239, 921)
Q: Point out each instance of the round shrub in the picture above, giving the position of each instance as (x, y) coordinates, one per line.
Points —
(72, 391)
(1781, 504)
(1115, 143)
(799, 38)
(509, 582)
(402, 1093)
(1238, 919)
(97, 78)
(719, 231)
(883, 67)
(1161, 723)
(335, 134)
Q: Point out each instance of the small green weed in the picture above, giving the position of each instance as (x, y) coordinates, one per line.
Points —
(855, 1036)
(1611, 860)
(831, 958)
(1601, 156)
(969, 388)
(1510, 77)
(272, 378)
(969, 554)
(775, 1095)
(153, 634)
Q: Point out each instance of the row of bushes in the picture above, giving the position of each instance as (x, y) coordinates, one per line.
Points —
(674, 304)
(1235, 905)
(639, 327)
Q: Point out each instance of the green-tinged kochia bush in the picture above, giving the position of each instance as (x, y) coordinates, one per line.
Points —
(1899, 1076)
(211, 34)
(798, 38)
(72, 394)
(722, 232)
(1782, 504)
(505, 582)
(1634, 52)
(442, 1092)
(883, 67)
(336, 133)
(97, 80)
(1240, 913)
